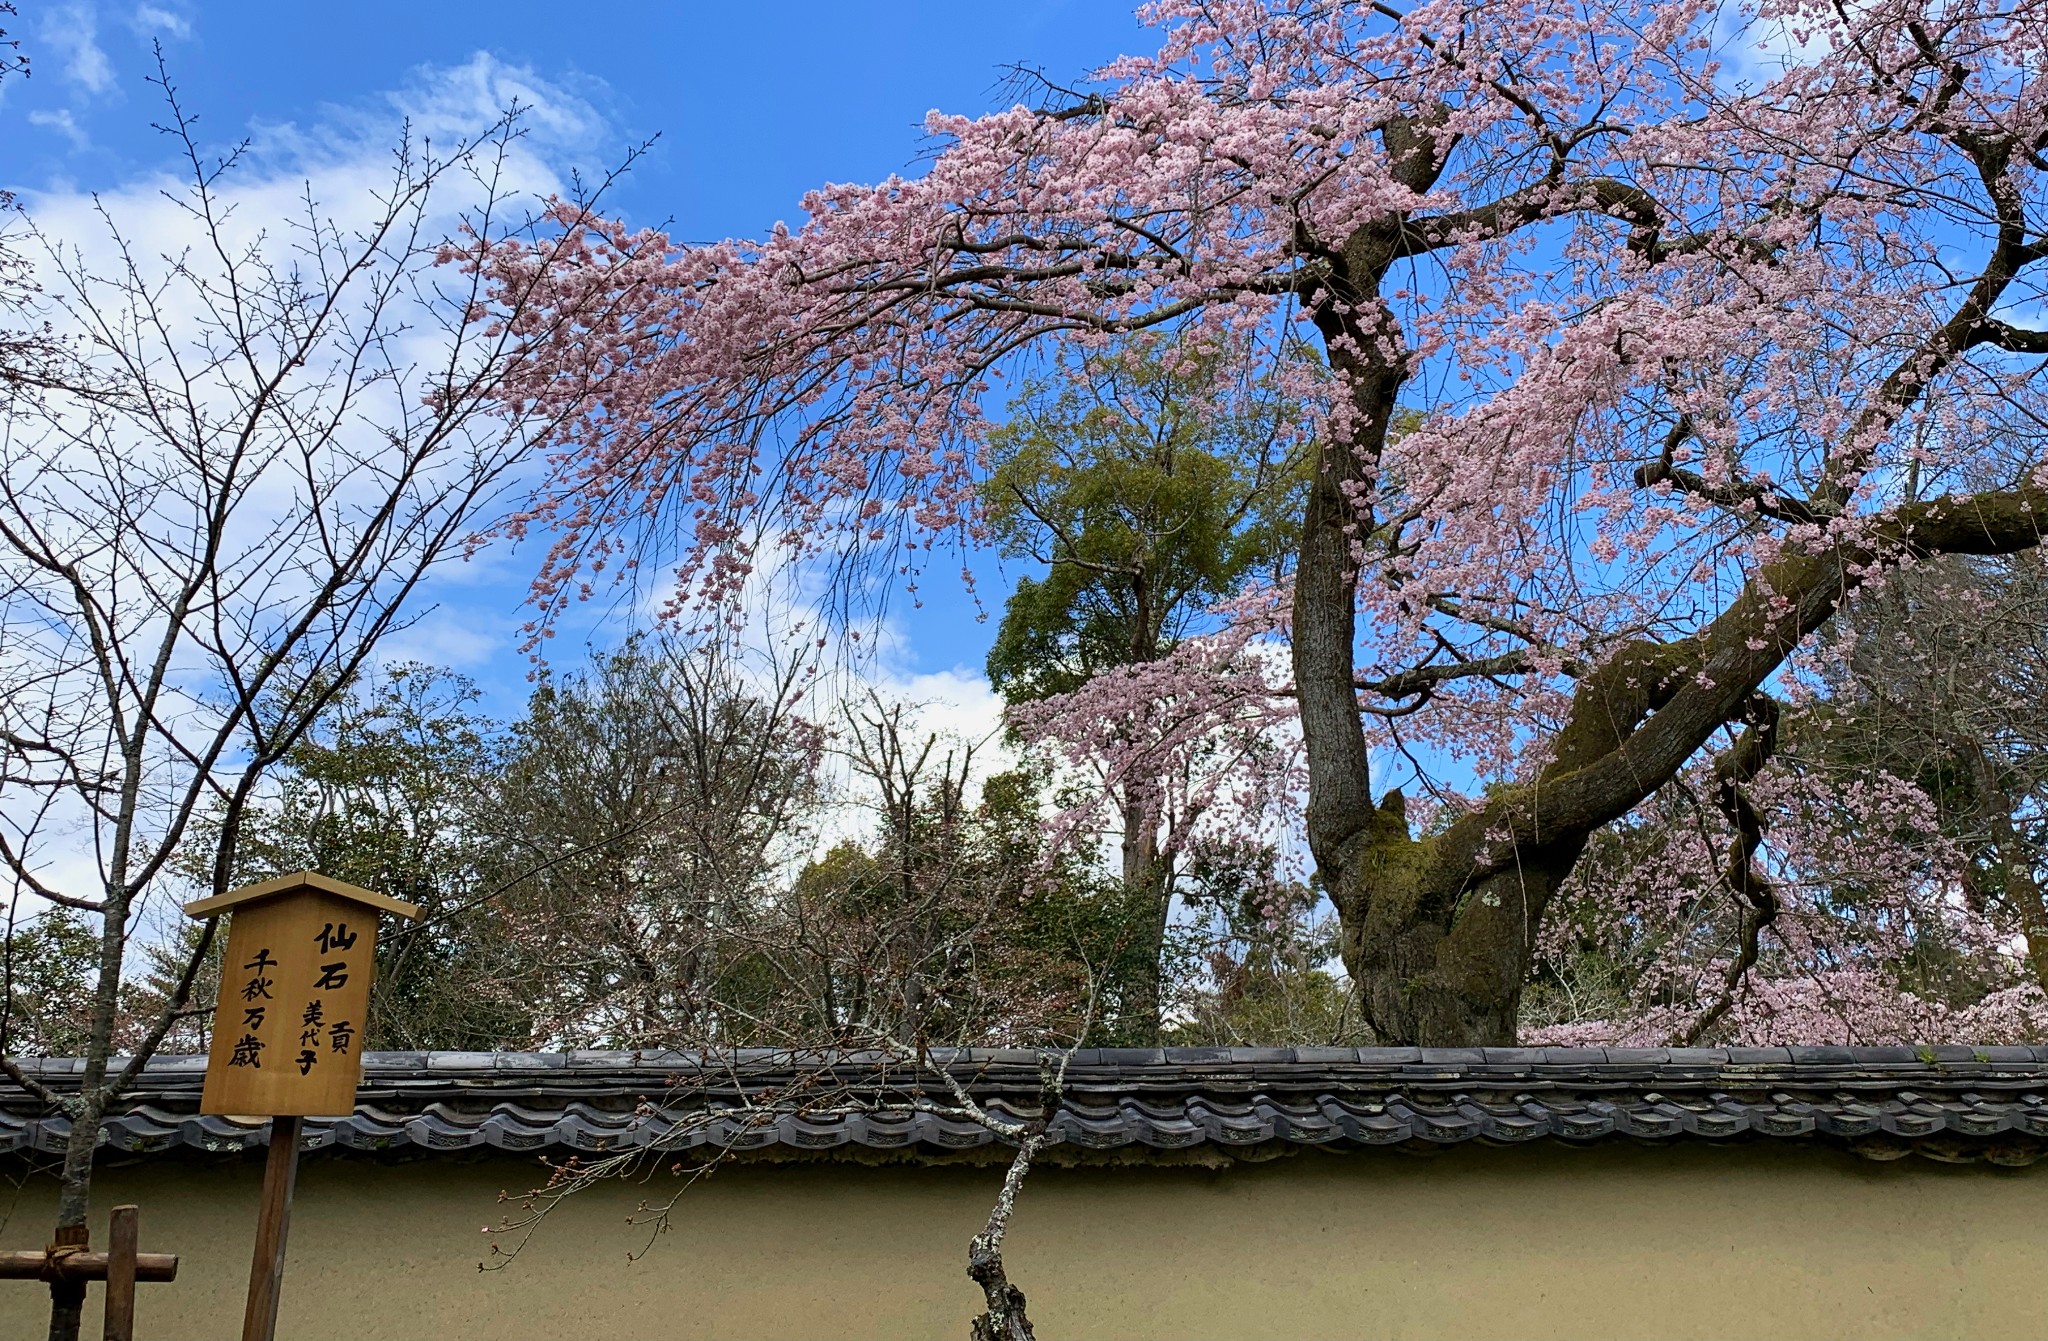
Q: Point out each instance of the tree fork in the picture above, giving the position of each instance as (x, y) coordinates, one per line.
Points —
(1438, 931)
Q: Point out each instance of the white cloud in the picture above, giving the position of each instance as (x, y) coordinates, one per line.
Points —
(343, 163)
(149, 19)
(439, 104)
(72, 31)
(63, 123)
(455, 98)
(458, 636)
(957, 702)
(956, 706)
(340, 161)
(1754, 51)
(788, 612)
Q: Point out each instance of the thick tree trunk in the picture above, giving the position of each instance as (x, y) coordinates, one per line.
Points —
(1428, 970)
(1437, 932)
(1439, 960)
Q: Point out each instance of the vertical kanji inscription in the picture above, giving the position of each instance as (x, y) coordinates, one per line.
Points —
(291, 1006)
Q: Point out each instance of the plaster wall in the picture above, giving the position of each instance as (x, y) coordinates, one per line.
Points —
(1473, 1243)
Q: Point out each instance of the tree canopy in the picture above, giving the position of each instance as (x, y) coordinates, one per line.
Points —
(1696, 352)
(1151, 482)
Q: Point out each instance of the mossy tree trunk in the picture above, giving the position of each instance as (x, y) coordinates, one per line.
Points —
(1438, 931)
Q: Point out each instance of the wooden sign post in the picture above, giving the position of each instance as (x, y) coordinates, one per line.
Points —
(287, 1033)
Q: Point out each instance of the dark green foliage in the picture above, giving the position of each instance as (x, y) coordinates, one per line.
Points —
(390, 794)
(48, 973)
(1150, 482)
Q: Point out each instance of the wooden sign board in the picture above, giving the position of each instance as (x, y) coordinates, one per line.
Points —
(294, 996)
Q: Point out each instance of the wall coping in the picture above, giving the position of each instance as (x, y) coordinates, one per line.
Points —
(1952, 1103)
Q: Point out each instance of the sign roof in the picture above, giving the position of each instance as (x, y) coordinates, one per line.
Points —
(294, 883)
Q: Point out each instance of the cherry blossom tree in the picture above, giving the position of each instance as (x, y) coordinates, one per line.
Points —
(1150, 480)
(1899, 895)
(1695, 347)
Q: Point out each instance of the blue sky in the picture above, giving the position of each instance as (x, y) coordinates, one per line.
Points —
(753, 104)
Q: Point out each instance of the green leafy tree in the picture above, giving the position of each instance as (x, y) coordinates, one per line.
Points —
(46, 969)
(1149, 480)
(392, 792)
(591, 874)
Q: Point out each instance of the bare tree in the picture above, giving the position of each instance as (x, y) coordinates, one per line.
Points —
(917, 935)
(851, 989)
(292, 423)
(647, 809)
(29, 356)
(718, 1103)
(663, 818)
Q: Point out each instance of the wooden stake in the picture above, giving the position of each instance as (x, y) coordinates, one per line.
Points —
(273, 1222)
(123, 1232)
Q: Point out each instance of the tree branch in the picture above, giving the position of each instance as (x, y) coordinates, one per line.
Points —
(1734, 770)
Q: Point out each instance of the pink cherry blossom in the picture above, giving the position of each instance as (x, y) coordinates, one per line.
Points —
(1642, 362)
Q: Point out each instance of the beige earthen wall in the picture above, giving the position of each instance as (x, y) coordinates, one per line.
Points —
(1755, 1241)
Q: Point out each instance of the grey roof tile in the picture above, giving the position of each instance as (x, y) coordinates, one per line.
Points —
(1822, 1056)
(1949, 1102)
(587, 1059)
(1638, 1056)
(1698, 1058)
(1253, 1056)
(1887, 1055)
(1453, 1058)
(395, 1061)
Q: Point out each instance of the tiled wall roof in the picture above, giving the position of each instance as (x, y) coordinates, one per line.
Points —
(1945, 1102)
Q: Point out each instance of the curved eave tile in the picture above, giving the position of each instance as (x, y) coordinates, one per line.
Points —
(1947, 1102)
